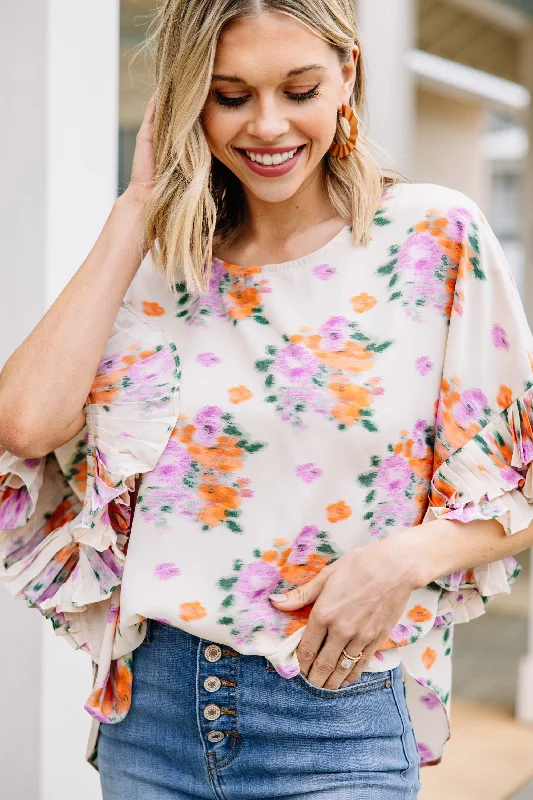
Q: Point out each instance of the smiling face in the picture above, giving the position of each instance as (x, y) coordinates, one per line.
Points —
(272, 111)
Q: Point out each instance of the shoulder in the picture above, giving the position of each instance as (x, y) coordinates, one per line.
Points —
(149, 293)
(431, 199)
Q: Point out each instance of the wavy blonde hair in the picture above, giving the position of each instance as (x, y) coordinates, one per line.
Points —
(197, 202)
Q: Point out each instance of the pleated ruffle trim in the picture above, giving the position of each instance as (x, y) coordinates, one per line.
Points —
(65, 518)
(490, 477)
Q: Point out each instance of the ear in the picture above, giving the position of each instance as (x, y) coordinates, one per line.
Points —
(349, 75)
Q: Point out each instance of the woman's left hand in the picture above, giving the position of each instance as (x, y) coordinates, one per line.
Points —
(358, 599)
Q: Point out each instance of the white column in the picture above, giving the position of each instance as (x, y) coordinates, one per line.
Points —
(524, 700)
(58, 147)
(388, 32)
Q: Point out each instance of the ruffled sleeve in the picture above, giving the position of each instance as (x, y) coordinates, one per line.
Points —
(484, 430)
(65, 518)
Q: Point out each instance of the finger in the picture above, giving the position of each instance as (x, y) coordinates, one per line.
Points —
(344, 666)
(149, 114)
(301, 595)
(326, 663)
(362, 664)
(147, 125)
(310, 644)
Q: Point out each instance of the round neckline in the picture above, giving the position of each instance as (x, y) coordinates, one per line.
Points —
(295, 262)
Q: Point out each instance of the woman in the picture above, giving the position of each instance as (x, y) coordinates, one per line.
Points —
(309, 445)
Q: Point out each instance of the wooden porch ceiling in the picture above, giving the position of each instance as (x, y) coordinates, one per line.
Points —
(448, 31)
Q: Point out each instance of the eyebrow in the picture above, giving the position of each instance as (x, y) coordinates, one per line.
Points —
(290, 74)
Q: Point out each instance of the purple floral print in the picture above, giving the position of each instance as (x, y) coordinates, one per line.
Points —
(308, 473)
(324, 272)
(424, 365)
(321, 373)
(208, 359)
(499, 338)
(166, 570)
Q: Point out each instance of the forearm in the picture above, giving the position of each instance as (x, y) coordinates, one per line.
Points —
(45, 383)
(444, 547)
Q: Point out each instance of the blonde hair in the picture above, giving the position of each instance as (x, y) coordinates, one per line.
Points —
(197, 201)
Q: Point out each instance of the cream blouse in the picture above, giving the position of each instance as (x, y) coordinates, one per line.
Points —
(293, 412)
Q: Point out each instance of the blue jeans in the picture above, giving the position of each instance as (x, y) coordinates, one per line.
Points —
(206, 722)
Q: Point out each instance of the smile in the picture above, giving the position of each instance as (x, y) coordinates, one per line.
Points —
(271, 163)
(271, 158)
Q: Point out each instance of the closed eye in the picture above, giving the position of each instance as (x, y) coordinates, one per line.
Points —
(236, 101)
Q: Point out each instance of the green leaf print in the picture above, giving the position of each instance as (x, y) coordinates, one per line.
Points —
(386, 269)
(228, 583)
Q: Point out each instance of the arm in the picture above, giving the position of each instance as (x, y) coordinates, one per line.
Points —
(443, 546)
(45, 383)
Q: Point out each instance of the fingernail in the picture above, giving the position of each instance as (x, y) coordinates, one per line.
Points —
(344, 684)
(279, 598)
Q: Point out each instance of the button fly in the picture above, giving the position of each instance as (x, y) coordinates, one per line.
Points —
(215, 736)
(213, 652)
(212, 683)
(212, 712)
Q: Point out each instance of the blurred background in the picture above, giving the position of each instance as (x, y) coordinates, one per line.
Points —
(449, 97)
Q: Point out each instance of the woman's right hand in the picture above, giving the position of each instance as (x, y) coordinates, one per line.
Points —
(143, 170)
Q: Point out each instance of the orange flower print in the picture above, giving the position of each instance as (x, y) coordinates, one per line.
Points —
(461, 415)
(419, 614)
(303, 573)
(429, 656)
(75, 470)
(363, 302)
(198, 472)
(239, 394)
(152, 309)
(322, 373)
(234, 293)
(192, 611)
(505, 396)
(336, 512)
(426, 270)
(111, 701)
(246, 608)
(352, 399)
(297, 619)
(396, 487)
(124, 374)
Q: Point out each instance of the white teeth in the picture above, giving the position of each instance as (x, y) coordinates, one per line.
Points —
(268, 159)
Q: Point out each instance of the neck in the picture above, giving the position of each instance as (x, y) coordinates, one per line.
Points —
(267, 222)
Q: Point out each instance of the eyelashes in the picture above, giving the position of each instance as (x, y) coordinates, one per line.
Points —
(235, 102)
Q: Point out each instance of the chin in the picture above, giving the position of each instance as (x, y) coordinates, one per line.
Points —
(274, 194)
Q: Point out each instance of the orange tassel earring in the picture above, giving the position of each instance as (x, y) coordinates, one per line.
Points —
(343, 150)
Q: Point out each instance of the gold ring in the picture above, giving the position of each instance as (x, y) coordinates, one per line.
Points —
(348, 661)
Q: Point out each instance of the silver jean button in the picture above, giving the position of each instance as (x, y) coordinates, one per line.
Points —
(215, 736)
(212, 712)
(213, 652)
(212, 683)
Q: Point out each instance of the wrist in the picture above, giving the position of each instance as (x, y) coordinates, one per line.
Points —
(129, 202)
(129, 212)
(416, 555)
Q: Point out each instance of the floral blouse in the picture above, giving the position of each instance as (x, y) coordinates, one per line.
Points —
(293, 412)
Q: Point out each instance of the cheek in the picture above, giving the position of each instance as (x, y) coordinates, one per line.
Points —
(320, 126)
(220, 127)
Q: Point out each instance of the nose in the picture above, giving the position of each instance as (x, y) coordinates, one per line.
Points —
(268, 122)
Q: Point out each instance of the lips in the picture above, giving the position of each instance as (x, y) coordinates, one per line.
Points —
(271, 162)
